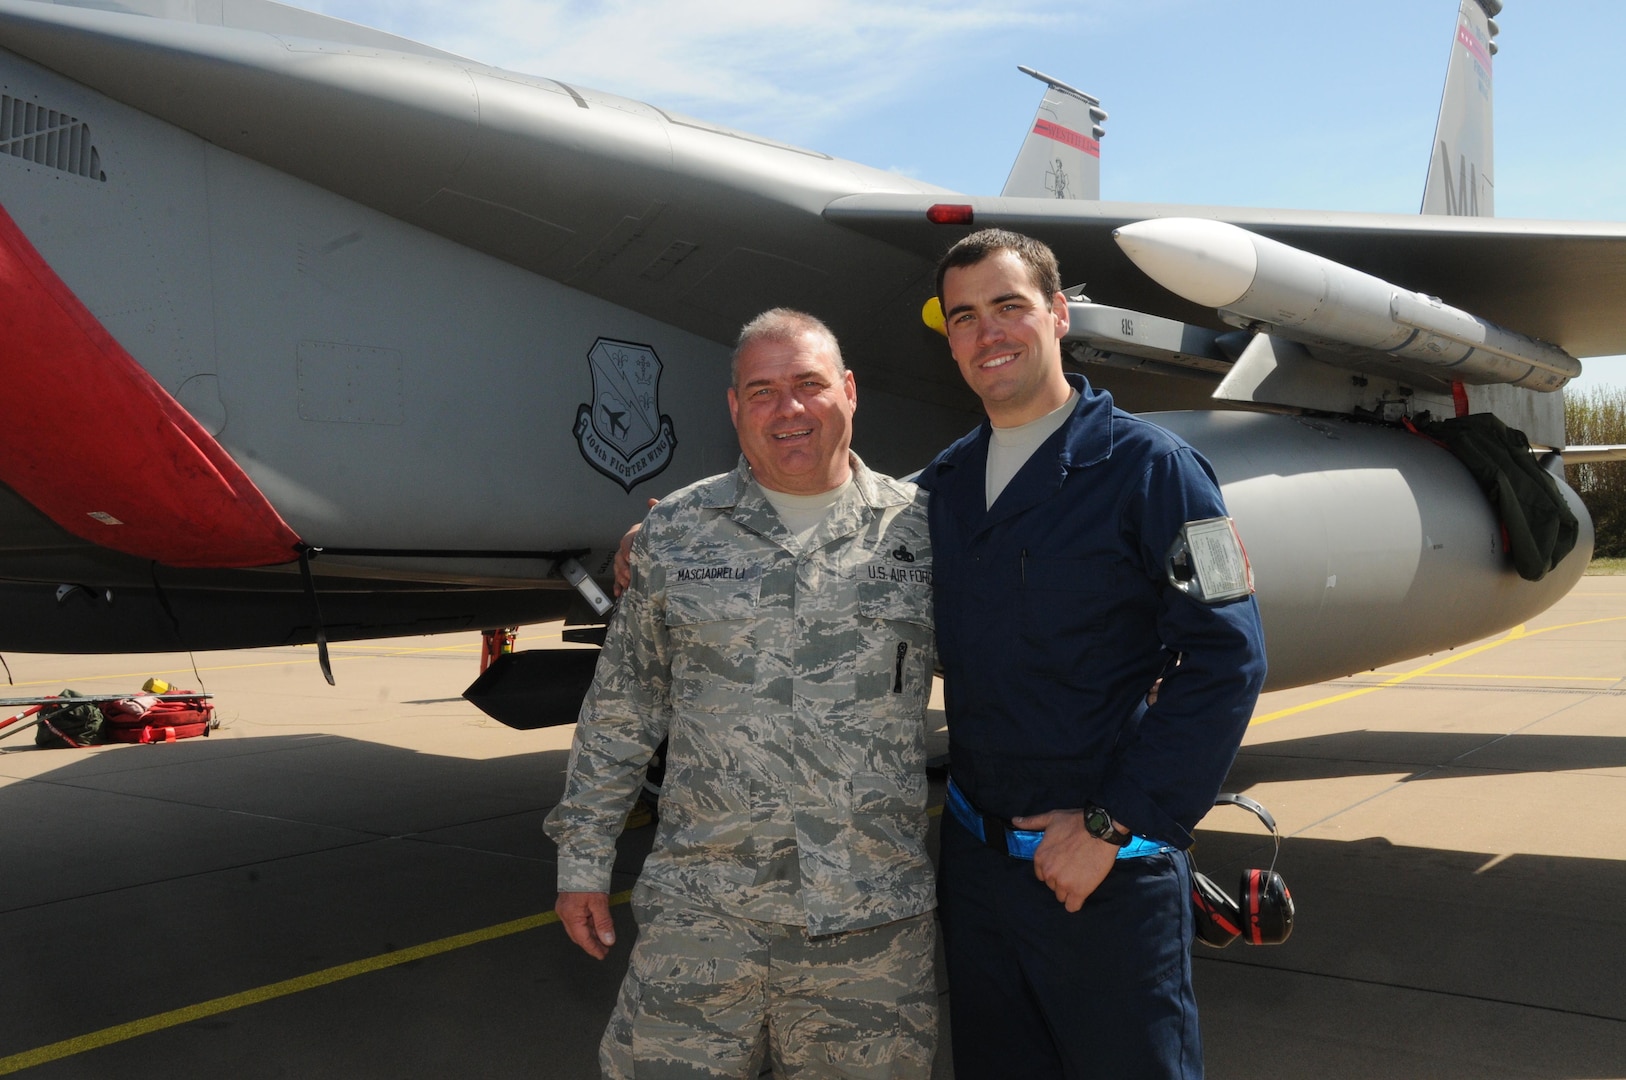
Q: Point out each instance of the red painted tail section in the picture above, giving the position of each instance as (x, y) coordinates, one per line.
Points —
(91, 440)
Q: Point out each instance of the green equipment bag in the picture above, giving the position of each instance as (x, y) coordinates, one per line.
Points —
(69, 724)
(1538, 526)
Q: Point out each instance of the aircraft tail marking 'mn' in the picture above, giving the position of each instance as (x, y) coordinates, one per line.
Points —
(104, 451)
(1460, 179)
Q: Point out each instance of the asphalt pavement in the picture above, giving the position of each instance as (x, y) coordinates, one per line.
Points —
(352, 881)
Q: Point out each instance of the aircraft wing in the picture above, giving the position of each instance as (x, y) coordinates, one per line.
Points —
(408, 295)
(1560, 281)
(1593, 455)
(703, 226)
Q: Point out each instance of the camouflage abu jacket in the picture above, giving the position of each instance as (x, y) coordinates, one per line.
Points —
(795, 689)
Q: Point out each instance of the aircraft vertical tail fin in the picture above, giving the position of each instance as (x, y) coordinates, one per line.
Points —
(1461, 159)
(1061, 157)
(1460, 182)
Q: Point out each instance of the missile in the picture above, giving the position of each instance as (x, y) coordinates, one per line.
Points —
(1259, 283)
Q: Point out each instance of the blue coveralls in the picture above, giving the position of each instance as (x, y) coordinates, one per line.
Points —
(1054, 618)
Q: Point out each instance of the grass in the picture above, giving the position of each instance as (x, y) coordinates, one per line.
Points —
(1606, 567)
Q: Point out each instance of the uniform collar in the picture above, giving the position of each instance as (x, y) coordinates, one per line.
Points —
(1084, 440)
(1088, 432)
(743, 499)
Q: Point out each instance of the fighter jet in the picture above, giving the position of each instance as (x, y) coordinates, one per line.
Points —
(310, 330)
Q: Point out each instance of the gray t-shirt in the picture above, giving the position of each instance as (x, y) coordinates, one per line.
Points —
(1011, 447)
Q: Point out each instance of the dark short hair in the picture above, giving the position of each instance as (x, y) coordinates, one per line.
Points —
(783, 325)
(1035, 255)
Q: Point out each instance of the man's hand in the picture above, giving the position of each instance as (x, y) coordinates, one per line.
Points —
(623, 557)
(586, 918)
(1069, 860)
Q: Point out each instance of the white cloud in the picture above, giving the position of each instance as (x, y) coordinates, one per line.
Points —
(791, 68)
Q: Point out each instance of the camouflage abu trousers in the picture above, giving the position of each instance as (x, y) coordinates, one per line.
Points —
(707, 995)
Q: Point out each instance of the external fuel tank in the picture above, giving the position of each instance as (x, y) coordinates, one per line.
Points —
(1369, 545)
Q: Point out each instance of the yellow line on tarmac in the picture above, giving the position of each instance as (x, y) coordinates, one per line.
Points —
(327, 976)
(1518, 633)
(1531, 678)
(175, 1017)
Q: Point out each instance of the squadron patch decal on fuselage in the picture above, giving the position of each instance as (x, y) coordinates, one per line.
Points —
(621, 432)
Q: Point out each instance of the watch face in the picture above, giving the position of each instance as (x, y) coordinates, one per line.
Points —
(1098, 823)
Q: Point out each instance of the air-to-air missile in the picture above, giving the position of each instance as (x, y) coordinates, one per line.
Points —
(1263, 284)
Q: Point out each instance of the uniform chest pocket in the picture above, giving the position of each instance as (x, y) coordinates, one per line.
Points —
(712, 629)
(1067, 608)
(897, 651)
(1047, 575)
(704, 603)
(896, 601)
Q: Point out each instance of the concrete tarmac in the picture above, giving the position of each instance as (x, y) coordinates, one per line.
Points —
(352, 881)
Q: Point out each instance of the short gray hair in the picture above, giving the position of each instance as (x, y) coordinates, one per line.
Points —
(783, 325)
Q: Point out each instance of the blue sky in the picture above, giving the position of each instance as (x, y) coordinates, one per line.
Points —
(1291, 103)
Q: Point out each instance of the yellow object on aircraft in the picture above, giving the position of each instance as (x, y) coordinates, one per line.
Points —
(931, 313)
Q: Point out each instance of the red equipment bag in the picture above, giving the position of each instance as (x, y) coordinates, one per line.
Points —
(150, 718)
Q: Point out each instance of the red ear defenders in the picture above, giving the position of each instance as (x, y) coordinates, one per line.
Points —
(1264, 915)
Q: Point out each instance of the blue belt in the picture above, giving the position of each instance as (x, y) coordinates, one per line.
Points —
(998, 833)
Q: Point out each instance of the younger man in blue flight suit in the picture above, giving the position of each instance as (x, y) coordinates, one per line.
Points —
(1052, 527)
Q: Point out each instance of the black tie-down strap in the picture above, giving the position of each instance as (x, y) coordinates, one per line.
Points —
(316, 614)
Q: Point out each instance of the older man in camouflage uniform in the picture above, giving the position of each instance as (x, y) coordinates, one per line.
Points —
(778, 629)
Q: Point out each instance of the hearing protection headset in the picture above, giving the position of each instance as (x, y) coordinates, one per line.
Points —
(1265, 914)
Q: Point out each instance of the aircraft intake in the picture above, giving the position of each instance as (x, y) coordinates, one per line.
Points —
(1263, 284)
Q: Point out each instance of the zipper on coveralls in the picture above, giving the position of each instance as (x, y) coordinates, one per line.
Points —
(897, 682)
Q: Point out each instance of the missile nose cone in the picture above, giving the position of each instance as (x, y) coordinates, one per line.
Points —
(1207, 262)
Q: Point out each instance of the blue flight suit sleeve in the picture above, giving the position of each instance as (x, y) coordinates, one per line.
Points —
(1167, 769)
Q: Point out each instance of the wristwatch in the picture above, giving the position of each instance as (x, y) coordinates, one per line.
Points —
(1098, 823)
